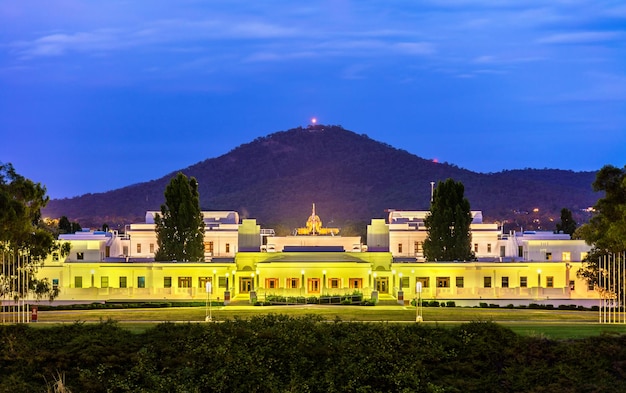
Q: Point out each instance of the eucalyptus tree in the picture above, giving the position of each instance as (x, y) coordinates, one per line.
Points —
(180, 226)
(567, 224)
(606, 230)
(448, 224)
(25, 242)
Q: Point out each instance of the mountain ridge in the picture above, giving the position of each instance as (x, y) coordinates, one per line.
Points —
(351, 178)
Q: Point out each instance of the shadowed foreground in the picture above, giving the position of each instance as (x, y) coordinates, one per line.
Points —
(277, 353)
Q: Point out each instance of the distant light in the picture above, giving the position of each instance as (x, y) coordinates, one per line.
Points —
(536, 210)
(436, 160)
(313, 120)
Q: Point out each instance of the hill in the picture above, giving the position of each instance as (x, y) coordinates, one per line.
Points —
(350, 177)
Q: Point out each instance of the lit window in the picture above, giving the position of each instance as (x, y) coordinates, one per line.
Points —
(399, 248)
(151, 248)
(424, 280)
(184, 282)
(80, 256)
(475, 247)
(566, 256)
(548, 256)
(358, 283)
(138, 248)
(488, 247)
(443, 282)
(227, 247)
(334, 283)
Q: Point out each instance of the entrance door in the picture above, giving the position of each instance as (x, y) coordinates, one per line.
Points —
(245, 283)
(382, 285)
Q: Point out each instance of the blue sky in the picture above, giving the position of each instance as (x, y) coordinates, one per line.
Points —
(97, 95)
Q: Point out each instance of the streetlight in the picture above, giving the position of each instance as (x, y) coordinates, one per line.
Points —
(400, 275)
(302, 285)
(323, 281)
(209, 289)
(92, 277)
(539, 277)
(418, 302)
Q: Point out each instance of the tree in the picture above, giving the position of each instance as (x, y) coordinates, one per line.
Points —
(67, 226)
(180, 226)
(567, 224)
(448, 224)
(606, 230)
(25, 240)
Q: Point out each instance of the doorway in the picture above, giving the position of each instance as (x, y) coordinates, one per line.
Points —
(382, 285)
(245, 284)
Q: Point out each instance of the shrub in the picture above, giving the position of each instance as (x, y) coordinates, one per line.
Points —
(483, 305)
(450, 303)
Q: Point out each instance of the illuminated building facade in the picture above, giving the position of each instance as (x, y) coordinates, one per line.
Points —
(242, 259)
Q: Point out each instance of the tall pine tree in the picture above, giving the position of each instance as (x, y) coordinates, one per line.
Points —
(448, 224)
(180, 226)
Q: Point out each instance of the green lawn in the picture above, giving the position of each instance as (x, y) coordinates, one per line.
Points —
(558, 324)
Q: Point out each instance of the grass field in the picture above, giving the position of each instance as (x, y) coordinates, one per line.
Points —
(556, 324)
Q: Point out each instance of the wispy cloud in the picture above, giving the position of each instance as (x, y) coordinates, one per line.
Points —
(583, 37)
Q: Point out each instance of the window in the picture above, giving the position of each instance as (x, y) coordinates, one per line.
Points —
(55, 283)
(141, 282)
(78, 282)
(489, 248)
(443, 282)
(487, 281)
(271, 283)
(590, 286)
(520, 251)
(356, 283)
(167, 282)
(313, 285)
(425, 281)
(550, 282)
(221, 282)
(80, 256)
(502, 251)
(475, 247)
(184, 282)
(125, 250)
(104, 281)
(202, 282)
(208, 247)
(505, 282)
(523, 281)
(548, 256)
(416, 247)
(138, 248)
(566, 256)
(151, 248)
(572, 285)
(123, 282)
(334, 282)
(583, 255)
(399, 248)
(293, 283)
(227, 247)
(55, 256)
(460, 282)
(404, 282)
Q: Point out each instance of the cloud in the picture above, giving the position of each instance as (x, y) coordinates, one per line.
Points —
(583, 37)
(415, 48)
